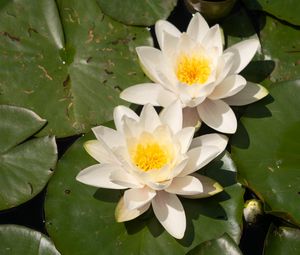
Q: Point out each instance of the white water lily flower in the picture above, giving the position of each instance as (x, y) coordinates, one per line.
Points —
(154, 159)
(193, 67)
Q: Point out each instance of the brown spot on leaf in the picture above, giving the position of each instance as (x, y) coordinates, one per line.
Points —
(11, 37)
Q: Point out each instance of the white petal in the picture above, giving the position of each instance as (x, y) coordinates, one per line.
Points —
(213, 38)
(198, 158)
(137, 198)
(179, 167)
(251, 93)
(110, 136)
(123, 214)
(100, 151)
(99, 176)
(172, 116)
(187, 185)
(121, 111)
(149, 118)
(185, 136)
(224, 67)
(217, 140)
(244, 51)
(162, 26)
(155, 66)
(191, 117)
(170, 45)
(218, 115)
(228, 87)
(125, 179)
(210, 187)
(170, 213)
(148, 93)
(197, 27)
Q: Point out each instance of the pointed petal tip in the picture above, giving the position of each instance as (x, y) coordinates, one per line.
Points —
(87, 145)
(122, 214)
(218, 189)
(262, 92)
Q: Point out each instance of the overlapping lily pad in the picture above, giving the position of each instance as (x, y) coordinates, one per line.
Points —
(287, 10)
(223, 245)
(25, 165)
(282, 240)
(16, 240)
(137, 12)
(266, 150)
(259, 69)
(67, 61)
(88, 213)
(281, 44)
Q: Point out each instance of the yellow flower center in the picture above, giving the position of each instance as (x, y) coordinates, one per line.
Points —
(193, 69)
(150, 156)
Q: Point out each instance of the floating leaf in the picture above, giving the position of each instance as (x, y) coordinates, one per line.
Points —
(16, 240)
(137, 12)
(281, 44)
(287, 10)
(258, 70)
(25, 166)
(70, 203)
(223, 245)
(67, 61)
(266, 150)
(282, 240)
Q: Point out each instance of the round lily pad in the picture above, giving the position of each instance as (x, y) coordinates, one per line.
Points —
(266, 150)
(16, 240)
(75, 211)
(67, 61)
(25, 165)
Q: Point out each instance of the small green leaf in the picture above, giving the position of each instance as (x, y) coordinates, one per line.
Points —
(17, 240)
(282, 240)
(223, 245)
(91, 210)
(137, 12)
(25, 167)
(266, 150)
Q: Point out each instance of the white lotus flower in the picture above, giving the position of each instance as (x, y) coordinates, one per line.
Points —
(154, 159)
(193, 67)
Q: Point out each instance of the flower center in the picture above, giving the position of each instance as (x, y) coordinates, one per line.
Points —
(150, 156)
(193, 69)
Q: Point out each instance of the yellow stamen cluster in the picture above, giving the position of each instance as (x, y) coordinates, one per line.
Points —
(150, 156)
(193, 69)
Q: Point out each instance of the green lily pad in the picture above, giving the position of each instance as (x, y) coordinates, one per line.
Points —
(137, 12)
(266, 150)
(25, 165)
(223, 245)
(66, 61)
(73, 209)
(282, 240)
(281, 44)
(16, 240)
(287, 10)
(258, 69)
